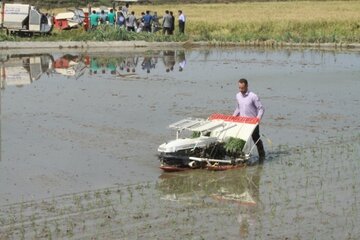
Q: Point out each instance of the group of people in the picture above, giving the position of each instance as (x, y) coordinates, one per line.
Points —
(148, 22)
(125, 66)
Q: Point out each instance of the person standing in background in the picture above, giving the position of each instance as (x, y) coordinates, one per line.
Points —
(94, 20)
(155, 22)
(131, 22)
(147, 21)
(172, 29)
(103, 17)
(125, 10)
(167, 23)
(111, 17)
(181, 22)
(121, 21)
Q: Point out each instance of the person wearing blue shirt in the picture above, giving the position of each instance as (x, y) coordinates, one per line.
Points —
(147, 21)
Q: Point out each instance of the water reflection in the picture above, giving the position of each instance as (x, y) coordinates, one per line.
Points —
(240, 187)
(70, 65)
(21, 69)
(181, 60)
(169, 60)
(149, 62)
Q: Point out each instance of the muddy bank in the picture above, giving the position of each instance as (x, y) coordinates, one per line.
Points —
(87, 45)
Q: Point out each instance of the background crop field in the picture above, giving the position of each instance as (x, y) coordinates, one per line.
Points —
(295, 21)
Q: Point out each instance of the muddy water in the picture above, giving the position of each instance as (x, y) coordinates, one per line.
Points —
(79, 133)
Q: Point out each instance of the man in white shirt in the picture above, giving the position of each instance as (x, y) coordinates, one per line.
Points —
(249, 105)
(181, 22)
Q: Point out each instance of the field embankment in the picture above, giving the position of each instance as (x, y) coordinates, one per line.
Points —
(291, 22)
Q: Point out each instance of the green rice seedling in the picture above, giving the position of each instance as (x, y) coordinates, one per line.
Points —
(84, 225)
(70, 228)
(120, 194)
(130, 193)
(57, 228)
(107, 192)
(87, 196)
(77, 201)
(234, 146)
(195, 134)
(97, 194)
(107, 202)
(46, 231)
(22, 231)
(33, 224)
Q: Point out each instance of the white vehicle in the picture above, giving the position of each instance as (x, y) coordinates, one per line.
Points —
(23, 19)
(23, 69)
(219, 142)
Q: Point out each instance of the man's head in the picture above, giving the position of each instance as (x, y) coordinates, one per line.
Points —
(243, 85)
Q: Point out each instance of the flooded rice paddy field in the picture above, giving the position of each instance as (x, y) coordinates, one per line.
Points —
(80, 131)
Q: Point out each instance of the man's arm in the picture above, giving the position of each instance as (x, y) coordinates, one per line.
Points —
(236, 112)
(260, 108)
(237, 109)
